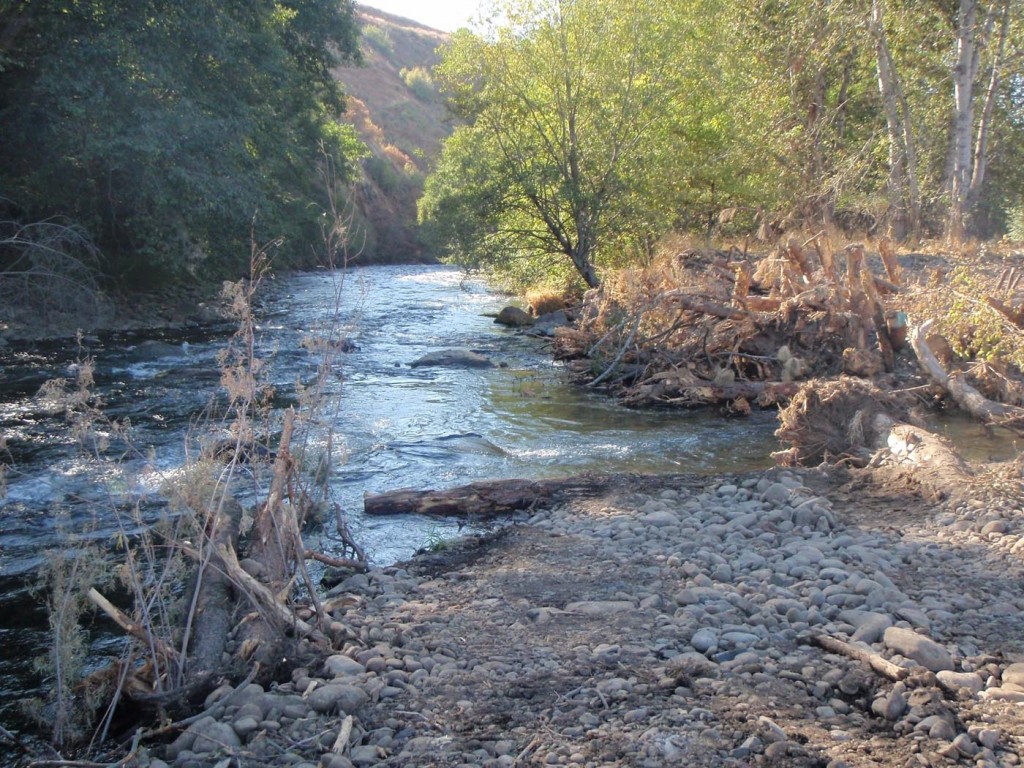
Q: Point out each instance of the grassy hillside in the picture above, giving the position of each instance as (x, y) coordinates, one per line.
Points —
(395, 107)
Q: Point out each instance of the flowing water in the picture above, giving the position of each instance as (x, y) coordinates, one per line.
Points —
(396, 426)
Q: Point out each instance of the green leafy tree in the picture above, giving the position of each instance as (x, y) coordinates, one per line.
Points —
(163, 128)
(571, 112)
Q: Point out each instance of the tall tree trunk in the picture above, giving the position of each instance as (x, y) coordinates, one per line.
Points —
(981, 143)
(910, 144)
(904, 191)
(844, 95)
(963, 117)
(968, 156)
(887, 88)
(581, 257)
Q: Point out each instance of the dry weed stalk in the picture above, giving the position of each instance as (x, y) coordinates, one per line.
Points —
(174, 643)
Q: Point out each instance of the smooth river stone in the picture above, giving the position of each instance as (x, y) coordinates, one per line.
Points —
(921, 649)
(776, 494)
(704, 639)
(599, 607)
(955, 680)
(661, 519)
(871, 627)
(335, 697)
(1014, 674)
(340, 665)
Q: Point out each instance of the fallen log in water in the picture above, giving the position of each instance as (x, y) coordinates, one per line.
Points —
(854, 422)
(835, 420)
(926, 460)
(909, 444)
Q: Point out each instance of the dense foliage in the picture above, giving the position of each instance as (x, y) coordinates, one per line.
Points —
(166, 130)
(593, 127)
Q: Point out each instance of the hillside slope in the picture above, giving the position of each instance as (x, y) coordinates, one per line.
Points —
(394, 106)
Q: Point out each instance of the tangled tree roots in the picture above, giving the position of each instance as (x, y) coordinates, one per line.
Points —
(837, 419)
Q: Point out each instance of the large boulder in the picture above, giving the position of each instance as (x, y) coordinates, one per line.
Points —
(337, 697)
(921, 649)
(453, 358)
(514, 317)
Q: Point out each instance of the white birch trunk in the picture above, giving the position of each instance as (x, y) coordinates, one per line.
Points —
(963, 115)
(981, 143)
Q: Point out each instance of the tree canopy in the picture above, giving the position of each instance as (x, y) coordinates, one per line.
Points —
(592, 127)
(165, 129)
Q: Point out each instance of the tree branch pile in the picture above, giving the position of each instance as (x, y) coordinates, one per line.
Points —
(818, 333)
(718, 328)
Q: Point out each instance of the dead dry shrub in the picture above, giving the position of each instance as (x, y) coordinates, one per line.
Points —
(358, 115)
(977, 297)
(277, 464)
(397, 157)
(674, 243)
(642, 319)
(998, 381)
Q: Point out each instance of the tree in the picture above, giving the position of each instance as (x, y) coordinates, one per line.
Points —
(807, 111)
(970, 137)
(903, 183)
(163, 128)
(592, 127)
(566, 103)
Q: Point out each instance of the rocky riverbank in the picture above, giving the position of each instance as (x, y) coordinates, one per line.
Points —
(668, 624)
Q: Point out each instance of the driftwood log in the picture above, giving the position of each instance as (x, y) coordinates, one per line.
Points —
(494, 498)
(962, 393)
(853, 421)
(482, 500)
(213, 603)
(925, 459)
(131, 627)
(907, 443)
(877, 662)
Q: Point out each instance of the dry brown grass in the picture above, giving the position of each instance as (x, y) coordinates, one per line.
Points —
(398, 158)
(415, 125)
(359, 116)
(544, 300)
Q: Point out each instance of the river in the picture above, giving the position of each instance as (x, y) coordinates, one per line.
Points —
(395, 427)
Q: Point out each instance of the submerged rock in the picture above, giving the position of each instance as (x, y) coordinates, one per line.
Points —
(452, 358)
(148, 351)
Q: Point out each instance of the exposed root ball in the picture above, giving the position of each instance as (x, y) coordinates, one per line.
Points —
(835, 419)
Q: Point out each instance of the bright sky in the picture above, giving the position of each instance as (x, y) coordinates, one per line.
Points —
(447, 15)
